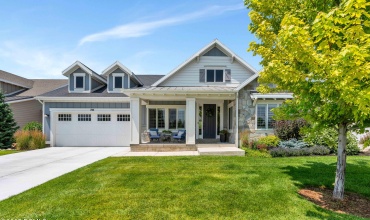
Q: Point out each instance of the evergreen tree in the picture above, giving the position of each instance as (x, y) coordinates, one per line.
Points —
(7, 124)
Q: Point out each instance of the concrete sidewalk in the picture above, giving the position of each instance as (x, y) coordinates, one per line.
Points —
(22, 171)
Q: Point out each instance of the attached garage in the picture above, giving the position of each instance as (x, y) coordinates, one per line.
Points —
(92, 127)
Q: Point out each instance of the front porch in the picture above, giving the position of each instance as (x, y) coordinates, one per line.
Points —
(202, 116)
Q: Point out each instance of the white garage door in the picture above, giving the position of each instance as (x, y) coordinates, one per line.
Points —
(92, 128)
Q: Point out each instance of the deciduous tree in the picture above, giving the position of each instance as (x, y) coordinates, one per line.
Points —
(320, 51)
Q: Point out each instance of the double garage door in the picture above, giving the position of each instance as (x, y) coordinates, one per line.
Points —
(89, 128)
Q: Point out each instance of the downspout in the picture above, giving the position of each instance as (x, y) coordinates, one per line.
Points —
(237, 121)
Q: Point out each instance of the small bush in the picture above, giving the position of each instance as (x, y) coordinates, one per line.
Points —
(244, 138)
(269, 141)
(29, 140)
(293, 143)
(33, 126)
(320, 150)
(365, 140)
(256, 153)
(288, 129)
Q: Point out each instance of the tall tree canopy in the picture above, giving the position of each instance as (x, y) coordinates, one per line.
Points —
(320, 51)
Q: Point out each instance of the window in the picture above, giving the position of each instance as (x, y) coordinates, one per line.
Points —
(123, 117)
(84, 117)
(215, 75)
(79, 82)
(181, 118)
(64, 117)
(161, 114)
(231, 118)
(118, 82)
(264, 116)
(152, 118)
(103, 117)
(172, 118)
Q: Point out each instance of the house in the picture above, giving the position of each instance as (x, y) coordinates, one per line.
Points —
(213, 90)
(20, 94)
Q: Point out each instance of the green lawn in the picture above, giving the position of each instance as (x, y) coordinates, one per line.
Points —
(5, 152)
(188, 188)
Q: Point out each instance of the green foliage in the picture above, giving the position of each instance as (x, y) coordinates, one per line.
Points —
(329, 137)
(320, 150)
(224, 132)
(33, 126)
(7, 124)
(269, 141)
(167, 132)
(256, 153)
(304, 151)
(29, 140)
(293, 144)
(288, 129)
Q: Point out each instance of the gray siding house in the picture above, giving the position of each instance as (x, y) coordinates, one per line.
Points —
(213, 90)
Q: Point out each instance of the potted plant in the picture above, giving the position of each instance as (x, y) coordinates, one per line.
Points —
(223, 135)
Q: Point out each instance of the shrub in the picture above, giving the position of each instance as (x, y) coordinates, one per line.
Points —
(293, 143)
(329, 137)
(320, 150)
(288, 129)
(29, 140)
(256, 153)
(269, 141)
(365, 140)
(33, 126)
(244, 138)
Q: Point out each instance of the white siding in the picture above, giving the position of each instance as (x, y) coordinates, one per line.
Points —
(189, 75)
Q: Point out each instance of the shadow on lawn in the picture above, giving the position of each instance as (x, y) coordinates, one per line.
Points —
(321, 174)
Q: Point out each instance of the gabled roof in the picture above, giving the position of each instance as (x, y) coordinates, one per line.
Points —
(116, 65)
(247, 81)
(15, 80)
(89, 71)
(210, 46)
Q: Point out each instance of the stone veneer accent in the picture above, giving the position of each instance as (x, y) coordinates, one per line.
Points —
(247, 116)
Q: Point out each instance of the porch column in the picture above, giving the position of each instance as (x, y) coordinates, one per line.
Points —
(135, 108)
(190, 120)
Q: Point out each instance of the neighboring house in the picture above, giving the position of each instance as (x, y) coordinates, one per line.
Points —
(213, 90)
(20, 95)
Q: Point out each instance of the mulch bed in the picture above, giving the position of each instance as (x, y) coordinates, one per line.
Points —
(352, 204)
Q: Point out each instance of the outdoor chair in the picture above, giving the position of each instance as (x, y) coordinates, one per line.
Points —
(180, 136)
(154, 134)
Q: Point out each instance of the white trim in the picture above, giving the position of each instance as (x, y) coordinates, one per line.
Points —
(214, 76)
(75, 75)
(272, 96)
(114, 75)
(77, 65)
(214, 43)
(118, 64)
(266, 116)
(237, 121)
(21, 100)
(166, 116)
(247, 81)
(84, 99)
(99, 87)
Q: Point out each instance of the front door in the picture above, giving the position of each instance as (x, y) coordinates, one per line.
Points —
(209, 121)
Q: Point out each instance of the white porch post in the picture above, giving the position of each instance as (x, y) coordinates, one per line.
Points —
(190, 120)
(135, 107)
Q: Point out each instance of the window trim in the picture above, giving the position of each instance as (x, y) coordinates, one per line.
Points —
(266, 116)
(83, 75)
(214, 75)
(166, 109)
(114, 75)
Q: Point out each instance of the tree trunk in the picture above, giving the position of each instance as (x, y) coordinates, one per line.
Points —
(341, 163)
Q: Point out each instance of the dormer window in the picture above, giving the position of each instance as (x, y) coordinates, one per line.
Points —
(118, 82)
(214, 75)
(79, 79)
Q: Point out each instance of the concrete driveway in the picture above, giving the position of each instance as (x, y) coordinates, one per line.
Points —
(22, 171)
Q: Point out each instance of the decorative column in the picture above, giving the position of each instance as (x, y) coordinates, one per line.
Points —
(190, 121)
(135, 108)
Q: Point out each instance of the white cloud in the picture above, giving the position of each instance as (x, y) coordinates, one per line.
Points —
(138, 29)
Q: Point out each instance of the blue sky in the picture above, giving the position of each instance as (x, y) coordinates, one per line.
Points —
(41, 38)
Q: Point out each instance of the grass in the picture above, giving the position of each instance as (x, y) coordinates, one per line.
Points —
(188, 188)
(5, 152)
